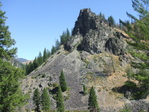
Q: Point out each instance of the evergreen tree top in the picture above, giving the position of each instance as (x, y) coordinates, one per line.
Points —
(6, 42)
(93, 103)
(63, 83)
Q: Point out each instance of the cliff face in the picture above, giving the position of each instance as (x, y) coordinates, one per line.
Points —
(96, 55)
(97, 35)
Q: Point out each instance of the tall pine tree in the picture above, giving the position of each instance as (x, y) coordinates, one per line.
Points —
(11, 95)
(65, 37)
(53, 50)
(36, 99)
(45, 100)
(63, 83)
(93, 103)
(111, 21)
(6, 42)
(45, 55)
(139, 32)
(60, 100)
(57, 44)
(40, 58)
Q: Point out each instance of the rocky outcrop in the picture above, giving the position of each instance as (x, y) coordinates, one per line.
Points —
(116, 45)
(87, 21)
(138, 106)
(96, 35)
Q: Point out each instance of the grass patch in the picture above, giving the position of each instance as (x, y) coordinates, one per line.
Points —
(141, 56)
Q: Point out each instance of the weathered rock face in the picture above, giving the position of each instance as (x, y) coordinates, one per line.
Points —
(116, 45)
(87, 20)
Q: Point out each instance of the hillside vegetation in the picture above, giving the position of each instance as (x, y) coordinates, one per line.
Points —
(98, 54)
(101, 66)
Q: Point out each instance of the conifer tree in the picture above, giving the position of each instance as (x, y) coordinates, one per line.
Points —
(93, 104)
(45, 100)
(84, 89)
(57, 44)
(102, 16)
(65, 37)
(48, 53)
(35, 63)
(53, 50)
(6, 42)
(29, 68)
(40, 58)
(60, 100)
(36, 99)
(111, 21)
(44, 54)
(11, 95)
(63, 84)
(139, 32)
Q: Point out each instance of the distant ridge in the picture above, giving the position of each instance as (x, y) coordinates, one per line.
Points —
(22, 60)
(27, 62)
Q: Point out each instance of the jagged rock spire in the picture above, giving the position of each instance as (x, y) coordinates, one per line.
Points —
(86, 21)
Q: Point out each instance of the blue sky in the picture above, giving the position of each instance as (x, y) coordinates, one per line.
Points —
(36, 24)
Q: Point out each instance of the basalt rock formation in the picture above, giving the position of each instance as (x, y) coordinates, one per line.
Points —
(97, 35)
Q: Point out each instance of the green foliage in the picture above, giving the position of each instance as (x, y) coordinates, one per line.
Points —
(129, 72)
(11, 95)
(40, 58)
(122, 24)
(77, 111)
(111, 21)
(143, 56)
(35, 64)
(29, 68)
(57, 44)
(140, 65)
(55, 85)
(37, 61)
(45, 54)
(130, 84)
(63, 84)
(93, 103)
(139, 32)
(53, 50)
(102, 16)
(6, 42)
(45, 100)
(36, 99)
(60, 100)
(126, 109)
(86, 61)
(143, 78)
(84, 89)
(65, 37)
